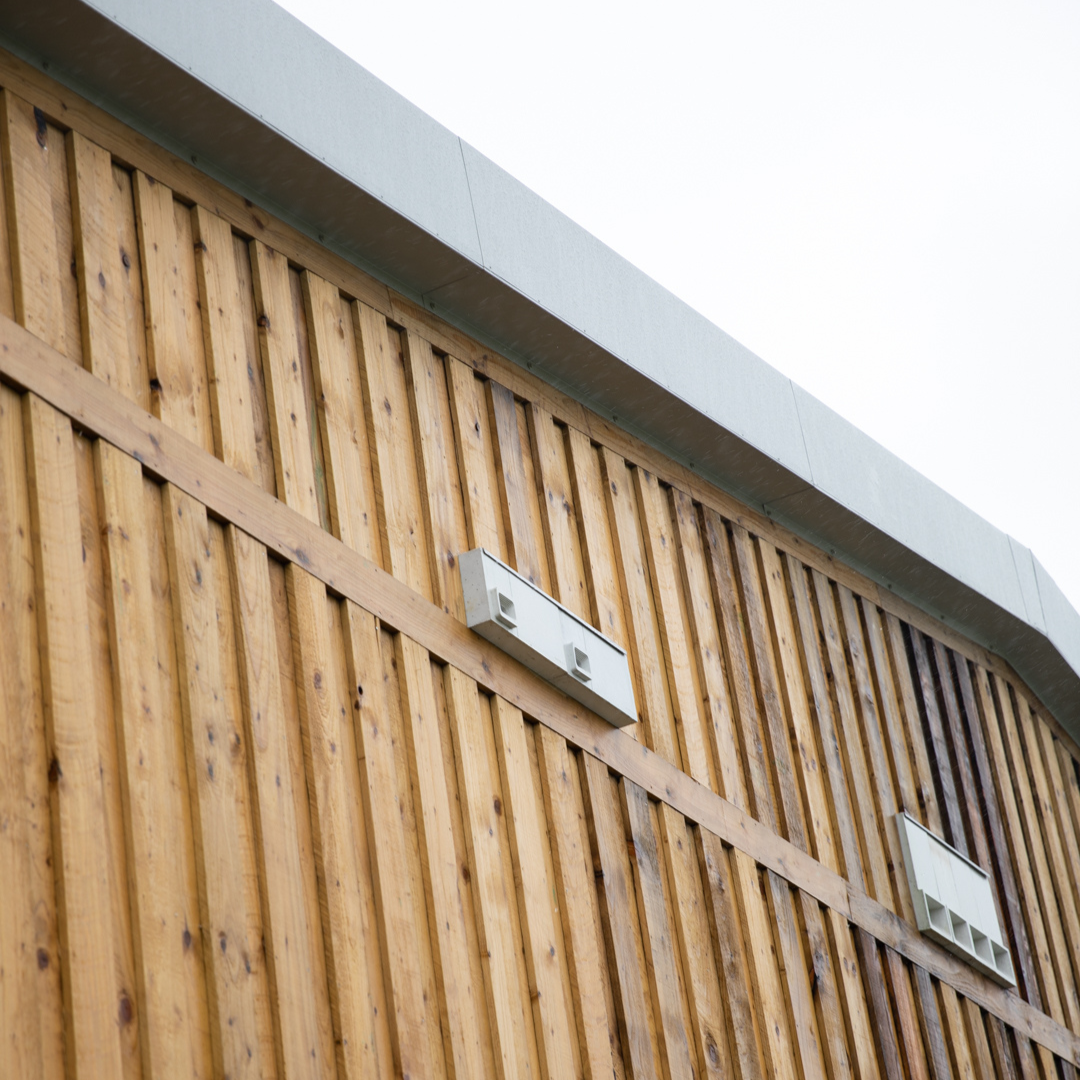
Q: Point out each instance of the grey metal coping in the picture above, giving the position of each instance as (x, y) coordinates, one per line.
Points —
(280, 115)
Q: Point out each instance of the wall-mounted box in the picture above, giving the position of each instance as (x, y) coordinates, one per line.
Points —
(953, 901)
(524, 621)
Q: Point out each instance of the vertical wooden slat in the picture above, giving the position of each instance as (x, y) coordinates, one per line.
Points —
(707, 649)
(577, 901)
(462, 1002)
(31, 1006)
(826, 990)
(978, 1042)
(552, 1012)
(162, 885)
(241, 1040)
(521, 538)
(99, 266)
(293, 940)
(394, 468)
(94, 1005)
(39, 222)
(926, 1006)
(440, 492)
(476, 459)
(291, 431)
(7, 284)
(399, 891)
(881, 1020)
(657, 933)
(621, 931)
(228, 364)
(857, 1011)
(725, 924)
(644, 647)
(350, 485)
(174, 336)
(955, 1034)
(492, 880)
(907, 1021)
(682, 674)
(558, 513)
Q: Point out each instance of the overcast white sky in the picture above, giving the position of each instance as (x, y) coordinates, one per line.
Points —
(882, 201)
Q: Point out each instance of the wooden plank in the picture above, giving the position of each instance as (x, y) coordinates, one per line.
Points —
(462, 1002)
(174, 337)
(1056, 859)
(1068, 801)
(39, 222)
(888, 1051)
(682, 674)
(597, 545)
(1035, 852)
(825, 989)
(1001, 1049)
(160, 853)
(294, 947)
(99, 266)
(955, 1034)
(552, 1012)
(926, 1005)
(640, 1040)
(689, 909)
(93, 1002)
(977, 1040)
(929, 813)
(802, 739)
(491, 876)
(7, 284)
(217, 778)
(524, 551)
(393, 461)
(31, 1004)
(743, 696)
(399, 895)
(730, 950)
(940, 765)
(778, 1043)
(577, 904)
(875, 872)
(881, 776)
(863, 1059)
(707, 649)
(907, 1022)
(845, 851)
(961, 760)
(668, 1004)
(557, 512)
(30, 364)
(476, 459)
(291, 433)
(349, 481)
(1008, 896)
(786, 812)
(440, 492)
(228, 364)
(134, 310)
(654, 706)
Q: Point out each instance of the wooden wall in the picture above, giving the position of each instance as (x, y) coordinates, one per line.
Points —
(268, 809)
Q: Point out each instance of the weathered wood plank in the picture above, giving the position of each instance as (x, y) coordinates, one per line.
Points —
(552, 1013)
(637, 1026)
(31, 1004)
(825, 989)
(241, 1041)
(393, 461)
(907, 1022)
(399, 893)
(926, 1006)
(349, 481)
(160, 848)
(179, 394)
(577, 903)
(854, 1001)
(440, 492)
(873, 975)
(463, 1003)
(523, 548)
(95, 1006)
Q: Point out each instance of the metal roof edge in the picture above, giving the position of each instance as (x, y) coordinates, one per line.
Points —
(261, 102)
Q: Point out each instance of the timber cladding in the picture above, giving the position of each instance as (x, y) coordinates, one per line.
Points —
(268, 808)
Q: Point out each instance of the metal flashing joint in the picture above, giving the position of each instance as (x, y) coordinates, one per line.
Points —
(512, 613)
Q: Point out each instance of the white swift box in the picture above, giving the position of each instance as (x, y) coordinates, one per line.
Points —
(525, 622)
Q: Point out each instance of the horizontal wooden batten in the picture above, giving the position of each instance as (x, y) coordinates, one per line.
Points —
(30, 365)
